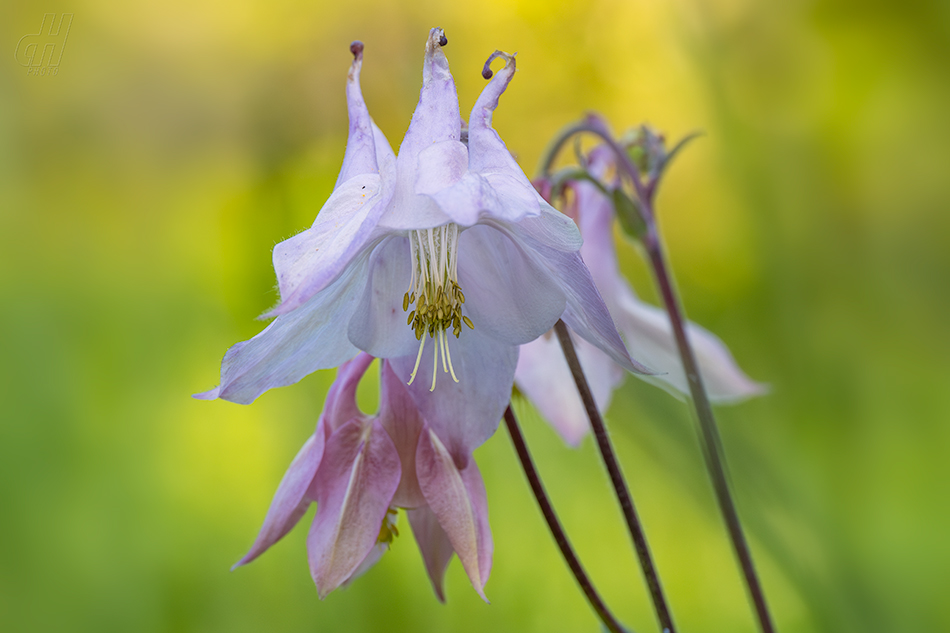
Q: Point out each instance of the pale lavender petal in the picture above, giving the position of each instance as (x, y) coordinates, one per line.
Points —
(400, 417)
(650, 337)
(354, 486)
(544, 377)
(339, 406)
(585, 312)
(465, 413)
(290, 501)
(595, 219)
(440, 165)
(647, 328)
(360, 156)
(295, 344)
(436, 120)
(510, 294)
(378, 325)
(490, 158)
(551, 228)
(408, 210)
(436, 117)
(310, 261)
(385, 158)
(434, 544)
(458, 501)
(480, 196)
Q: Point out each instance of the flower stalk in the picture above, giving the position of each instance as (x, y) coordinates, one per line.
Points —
(617, 480)
(647, 232)
(557, 530)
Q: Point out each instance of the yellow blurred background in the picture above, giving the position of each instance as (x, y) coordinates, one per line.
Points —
(143, 186)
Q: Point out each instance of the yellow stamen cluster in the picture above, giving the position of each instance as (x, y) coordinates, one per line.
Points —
(388, 530)
(435, 292)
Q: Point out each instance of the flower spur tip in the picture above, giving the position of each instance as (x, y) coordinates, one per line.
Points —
(357, 49)
(486, 69)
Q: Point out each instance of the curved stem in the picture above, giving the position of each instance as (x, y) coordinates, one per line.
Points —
(595, 126)
(554, 524)
(617, 480)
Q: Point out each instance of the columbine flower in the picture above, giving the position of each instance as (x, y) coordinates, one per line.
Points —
(542, 373)
(359, 469)
(443, 260)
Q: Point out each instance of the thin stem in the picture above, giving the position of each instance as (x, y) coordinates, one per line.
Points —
(708, 432)
(554, 524)
(712, 444)
(617, 480)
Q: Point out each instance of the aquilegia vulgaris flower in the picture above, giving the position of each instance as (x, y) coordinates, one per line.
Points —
(542, 373)
(443, 260)
(359, 469)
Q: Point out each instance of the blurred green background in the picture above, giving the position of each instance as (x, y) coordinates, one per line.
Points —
(143, 186)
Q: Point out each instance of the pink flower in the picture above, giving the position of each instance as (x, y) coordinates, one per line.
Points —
(542, 373)
(359, 469)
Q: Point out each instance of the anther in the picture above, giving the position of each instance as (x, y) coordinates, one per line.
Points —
(443, 40)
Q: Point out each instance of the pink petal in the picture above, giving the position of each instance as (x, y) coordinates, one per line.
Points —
(434, 544)
(457, 498)
(290, 501)
(400, 417)
(339, 406)
(354, 486)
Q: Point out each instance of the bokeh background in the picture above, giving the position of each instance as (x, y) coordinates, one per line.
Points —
(143, 187)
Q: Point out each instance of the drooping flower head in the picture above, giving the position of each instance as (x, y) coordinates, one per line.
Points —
(360, 469)
(445, 250)
(542, 373)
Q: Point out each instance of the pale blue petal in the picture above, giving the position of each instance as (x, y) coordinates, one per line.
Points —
(296, 344)
(436, 117)
(650, 337)
(585, 312)
(511, 295)
(378, 325)
(490, 158)
(310, 261)
(465, 413)
(360, 156)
